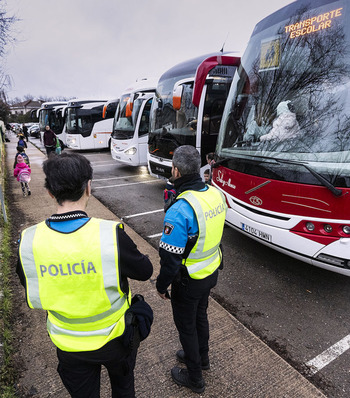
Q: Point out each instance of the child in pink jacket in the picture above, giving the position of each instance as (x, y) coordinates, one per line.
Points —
(22, 172)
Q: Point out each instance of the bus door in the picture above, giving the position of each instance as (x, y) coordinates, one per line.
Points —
(213, 107)
(142, 131)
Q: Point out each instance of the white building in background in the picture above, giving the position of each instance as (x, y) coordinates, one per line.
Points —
(24, 107)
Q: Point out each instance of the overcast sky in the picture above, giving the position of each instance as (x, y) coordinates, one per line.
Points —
(96, 48)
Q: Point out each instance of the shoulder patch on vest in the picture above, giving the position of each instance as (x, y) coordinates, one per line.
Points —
(168, 228)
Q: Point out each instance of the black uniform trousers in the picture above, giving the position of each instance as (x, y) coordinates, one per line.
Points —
(80, 371)
(189, 300)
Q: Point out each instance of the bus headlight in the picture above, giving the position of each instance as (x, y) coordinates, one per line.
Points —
(346, 229)
(310, 226)
(130, 151)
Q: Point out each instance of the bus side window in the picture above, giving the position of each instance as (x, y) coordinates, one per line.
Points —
(212, 118)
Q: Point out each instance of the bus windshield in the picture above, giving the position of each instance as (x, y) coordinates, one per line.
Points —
(79, 121)
(44, 118)
(171, 128)
(124, 127)
(290, 99)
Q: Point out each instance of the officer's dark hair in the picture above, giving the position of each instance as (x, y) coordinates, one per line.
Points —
(67, 176)
(187, 160)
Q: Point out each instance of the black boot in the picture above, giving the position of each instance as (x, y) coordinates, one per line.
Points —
(181, 377)
(180, 355)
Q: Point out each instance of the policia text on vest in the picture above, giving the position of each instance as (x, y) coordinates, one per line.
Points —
(81, 268)
(214, 212)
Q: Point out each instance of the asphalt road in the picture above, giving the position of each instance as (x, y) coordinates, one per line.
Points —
(299, 310)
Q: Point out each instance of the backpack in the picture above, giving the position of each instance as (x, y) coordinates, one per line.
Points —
(24, 176)
(21, 143)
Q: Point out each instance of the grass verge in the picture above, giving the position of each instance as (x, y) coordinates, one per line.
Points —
(7, 371)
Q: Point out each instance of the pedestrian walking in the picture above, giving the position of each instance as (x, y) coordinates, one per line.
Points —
(20, 151)
(49, 140)
(190, 256)
(22, 172)
(77, 269)
(25, 131)
(8, 132)
(21, 141)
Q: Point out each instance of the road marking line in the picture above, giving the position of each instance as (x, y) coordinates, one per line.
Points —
(329, 355)
(142, 214)
(116, 178)
(103, 165)
(99, 161)
(124, 185)
(155, 235)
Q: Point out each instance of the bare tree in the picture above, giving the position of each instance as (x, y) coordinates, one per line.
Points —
(6, 37)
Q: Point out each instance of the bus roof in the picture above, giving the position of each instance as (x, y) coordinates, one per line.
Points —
(188, 67)
(286, 11)
(77, 102)
(141, 85)
(52, 104)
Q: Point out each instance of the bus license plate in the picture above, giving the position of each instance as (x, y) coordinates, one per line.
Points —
(256, 232)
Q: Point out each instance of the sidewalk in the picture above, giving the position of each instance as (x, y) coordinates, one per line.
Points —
(241, 365)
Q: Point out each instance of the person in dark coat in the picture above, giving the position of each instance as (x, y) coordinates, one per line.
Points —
(49, 140)
(21, 142)
(25, 131)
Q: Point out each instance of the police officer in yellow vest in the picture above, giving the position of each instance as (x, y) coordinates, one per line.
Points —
(76, 268)
(190, 257)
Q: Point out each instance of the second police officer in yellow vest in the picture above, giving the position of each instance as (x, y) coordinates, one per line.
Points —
(190, 256)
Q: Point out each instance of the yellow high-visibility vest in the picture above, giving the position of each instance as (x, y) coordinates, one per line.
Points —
(210, 208)
(75, 277)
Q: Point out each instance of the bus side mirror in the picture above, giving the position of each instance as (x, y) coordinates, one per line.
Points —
(129, 105)
(128, 108)
(177, 96)
(104, 111)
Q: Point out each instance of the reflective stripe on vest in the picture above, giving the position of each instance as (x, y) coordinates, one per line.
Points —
(53, 329)
(106, 274)
(200, 262)
(27, 257)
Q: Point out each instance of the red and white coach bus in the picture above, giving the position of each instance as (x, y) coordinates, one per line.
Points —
(283, 152)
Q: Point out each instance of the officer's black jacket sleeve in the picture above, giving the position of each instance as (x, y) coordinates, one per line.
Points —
(133, 264)
(20, 272)
(170, 265)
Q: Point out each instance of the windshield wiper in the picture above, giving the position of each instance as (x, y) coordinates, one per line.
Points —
(335, 191)
(220, 162)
